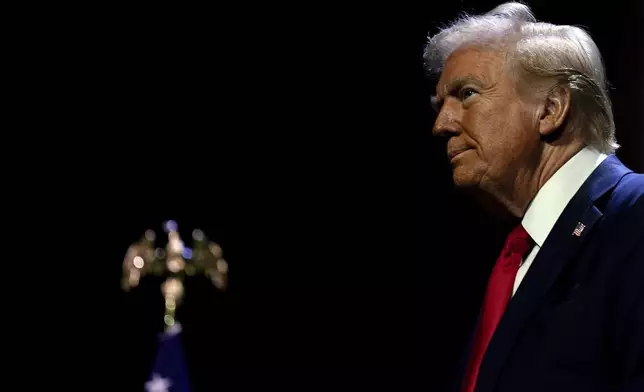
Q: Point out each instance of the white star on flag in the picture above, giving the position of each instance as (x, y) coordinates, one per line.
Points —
(158, 384)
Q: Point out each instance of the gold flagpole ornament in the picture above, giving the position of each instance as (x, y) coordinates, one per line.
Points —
(176, 261)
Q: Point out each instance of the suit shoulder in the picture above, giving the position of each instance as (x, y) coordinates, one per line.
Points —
(621, 231)
(623, 211)
(628, 196)
(632, 183)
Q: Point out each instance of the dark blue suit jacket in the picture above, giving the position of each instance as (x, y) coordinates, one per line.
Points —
(576, 323)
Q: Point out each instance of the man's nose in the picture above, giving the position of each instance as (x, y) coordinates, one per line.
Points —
(446, 123)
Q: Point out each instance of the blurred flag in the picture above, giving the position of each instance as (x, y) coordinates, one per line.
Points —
(170, 372)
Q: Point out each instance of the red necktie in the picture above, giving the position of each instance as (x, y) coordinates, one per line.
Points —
(497, 296)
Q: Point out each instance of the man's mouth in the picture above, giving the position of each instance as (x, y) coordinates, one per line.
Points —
(454, 154)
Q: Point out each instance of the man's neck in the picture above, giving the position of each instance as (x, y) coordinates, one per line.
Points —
(517, 196)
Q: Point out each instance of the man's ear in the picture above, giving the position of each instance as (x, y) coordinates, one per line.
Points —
(555, 110)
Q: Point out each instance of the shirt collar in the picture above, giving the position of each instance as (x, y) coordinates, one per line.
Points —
(554, 195)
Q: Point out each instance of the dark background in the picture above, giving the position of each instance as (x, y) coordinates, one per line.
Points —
(303, 148)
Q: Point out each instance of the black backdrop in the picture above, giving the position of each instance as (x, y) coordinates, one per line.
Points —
(303, 147)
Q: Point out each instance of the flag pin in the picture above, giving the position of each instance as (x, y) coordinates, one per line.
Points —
(580, 227)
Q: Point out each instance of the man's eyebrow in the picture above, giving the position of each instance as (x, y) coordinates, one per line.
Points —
(452, 88)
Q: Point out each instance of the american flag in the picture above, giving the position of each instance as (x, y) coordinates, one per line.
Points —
(578, 229)
(170, 373)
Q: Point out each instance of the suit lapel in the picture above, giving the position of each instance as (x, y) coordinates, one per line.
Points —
(570, 231)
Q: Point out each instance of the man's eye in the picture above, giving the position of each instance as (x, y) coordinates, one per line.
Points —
(466, 93)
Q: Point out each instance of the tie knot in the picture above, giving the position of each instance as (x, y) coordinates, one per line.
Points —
(518, 241)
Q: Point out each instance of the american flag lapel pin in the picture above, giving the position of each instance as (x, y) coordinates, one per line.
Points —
(580, 227)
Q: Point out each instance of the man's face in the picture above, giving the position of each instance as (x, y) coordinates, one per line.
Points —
(492, 129)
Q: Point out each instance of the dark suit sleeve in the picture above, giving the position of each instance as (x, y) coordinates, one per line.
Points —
(629, 347)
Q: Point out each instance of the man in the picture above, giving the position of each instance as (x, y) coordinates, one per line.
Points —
(529, 123)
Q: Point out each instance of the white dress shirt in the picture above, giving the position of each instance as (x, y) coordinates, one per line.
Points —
(551, 200)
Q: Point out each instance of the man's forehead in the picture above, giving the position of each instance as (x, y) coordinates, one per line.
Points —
(469, 63)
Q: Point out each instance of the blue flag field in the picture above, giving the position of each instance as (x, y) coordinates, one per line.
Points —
(170, 372)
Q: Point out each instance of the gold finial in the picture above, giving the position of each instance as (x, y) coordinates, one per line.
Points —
(175, 261)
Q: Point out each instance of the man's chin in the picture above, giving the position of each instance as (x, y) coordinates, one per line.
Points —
(464, 180)
(485, 200)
